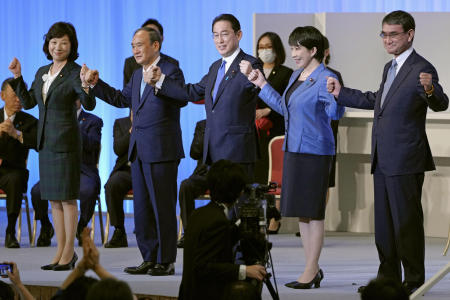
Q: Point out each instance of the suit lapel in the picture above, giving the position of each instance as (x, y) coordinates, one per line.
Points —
(310, 81)
(40, 83)
(233, 70)
(59, 79)
(399, 79)
(148, 88)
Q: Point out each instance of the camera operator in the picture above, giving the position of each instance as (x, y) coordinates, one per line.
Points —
(209, 270)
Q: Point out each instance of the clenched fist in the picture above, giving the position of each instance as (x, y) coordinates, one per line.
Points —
(15, 68)
(88, 77)
(426, 80)
(153, 75)
(333, 86)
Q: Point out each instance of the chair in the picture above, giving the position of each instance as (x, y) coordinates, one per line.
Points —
(128, 196)
(276, 156)
(27, 211)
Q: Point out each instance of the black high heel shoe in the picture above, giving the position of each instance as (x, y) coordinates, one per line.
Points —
(300, 285)
(274, 231)
(68, 266)
(48, 267)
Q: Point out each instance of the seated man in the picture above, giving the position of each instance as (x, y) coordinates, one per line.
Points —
(17, 135)
(209, 270)
(91, 133)
(195, 185)
(119, 182)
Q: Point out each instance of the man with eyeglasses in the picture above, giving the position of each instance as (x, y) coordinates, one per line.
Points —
(400, 150)
(230, 99)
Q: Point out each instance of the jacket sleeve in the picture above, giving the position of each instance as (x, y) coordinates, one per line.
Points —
(121, 139)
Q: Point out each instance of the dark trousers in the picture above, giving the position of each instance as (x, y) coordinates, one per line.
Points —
(117, 186)
(14, 182)
(399, 232)
(195, 186)
(89, 188)
(155, 199)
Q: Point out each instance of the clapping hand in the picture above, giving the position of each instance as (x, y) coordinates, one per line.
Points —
(246, 67)
(88, 77)
(15, 68)
(7, 127)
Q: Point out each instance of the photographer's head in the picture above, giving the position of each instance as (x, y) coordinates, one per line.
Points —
(226, 181)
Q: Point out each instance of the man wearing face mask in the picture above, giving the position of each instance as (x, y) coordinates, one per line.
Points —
(268, 122)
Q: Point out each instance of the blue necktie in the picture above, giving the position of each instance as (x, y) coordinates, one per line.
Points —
(389, 79)
(219, 78)
(142, 86)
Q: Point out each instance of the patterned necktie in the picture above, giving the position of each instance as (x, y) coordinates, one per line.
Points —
(142, 86)
(389, 79)
(219, 78)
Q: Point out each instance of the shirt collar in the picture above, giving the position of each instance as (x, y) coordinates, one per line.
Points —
(229, 59)
(153, 64)
(403, 57)
(6, 116)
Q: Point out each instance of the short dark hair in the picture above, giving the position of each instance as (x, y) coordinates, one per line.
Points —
(79, 288)
(152, 33)
(226, 180)
(6, 82)
(156, 23)
(308, 37)
(110, 289)
(384, 288)
(6, 291)
(58, 30)
(400, 17)
(277, 47)
(326, 45)
(230, 18)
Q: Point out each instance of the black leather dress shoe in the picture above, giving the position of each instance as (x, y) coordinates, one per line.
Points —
(69, 266)
(180, 242)
(141, 269)
(11, 241)
(118, 240)
(45, 237)
(411, 287)
(162, 270)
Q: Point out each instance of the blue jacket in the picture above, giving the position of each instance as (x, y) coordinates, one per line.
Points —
(308, 113)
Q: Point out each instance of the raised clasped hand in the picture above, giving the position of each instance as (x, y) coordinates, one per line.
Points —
(15, 67)
(88, 77)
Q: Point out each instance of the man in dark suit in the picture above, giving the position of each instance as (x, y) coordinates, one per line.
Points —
(18, 131)
(155, 151)
(400, 150)
(119, 182)
(91, 135)
(209, 270)
(230, 99)
(131, 65)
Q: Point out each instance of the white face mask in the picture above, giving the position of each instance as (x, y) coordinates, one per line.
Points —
(266, 55)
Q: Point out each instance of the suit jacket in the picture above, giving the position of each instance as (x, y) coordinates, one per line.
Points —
(13, 153)
(156, 133)
(278, 79)
(91, 135)
(308, 113)
(399, 140)
(208, 255)
(121, 142)
(131, 65)
(57, 125)
(230, 121)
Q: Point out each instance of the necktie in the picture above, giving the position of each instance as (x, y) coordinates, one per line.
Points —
(219, 78)
(142, 86)
(389, 79)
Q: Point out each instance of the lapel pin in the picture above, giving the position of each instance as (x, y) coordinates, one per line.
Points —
(311, 80)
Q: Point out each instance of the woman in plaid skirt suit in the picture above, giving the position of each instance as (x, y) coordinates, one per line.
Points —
(55, 89)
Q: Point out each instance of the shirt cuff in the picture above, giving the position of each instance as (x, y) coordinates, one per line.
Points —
(242, 272)
(159, 83)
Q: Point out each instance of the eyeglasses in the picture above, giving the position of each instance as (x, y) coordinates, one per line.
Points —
(392, 35)
(225, 35)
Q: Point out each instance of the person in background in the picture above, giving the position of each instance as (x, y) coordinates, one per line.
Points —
(55, 89)
(269, 123)
(18, 132)
(21, 289)
(309, 144)
(119, 182)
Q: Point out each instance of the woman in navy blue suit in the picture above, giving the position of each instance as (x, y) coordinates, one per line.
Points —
(309, 143)
(55, 89)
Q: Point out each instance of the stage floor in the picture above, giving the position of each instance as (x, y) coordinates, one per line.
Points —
(348, 261)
